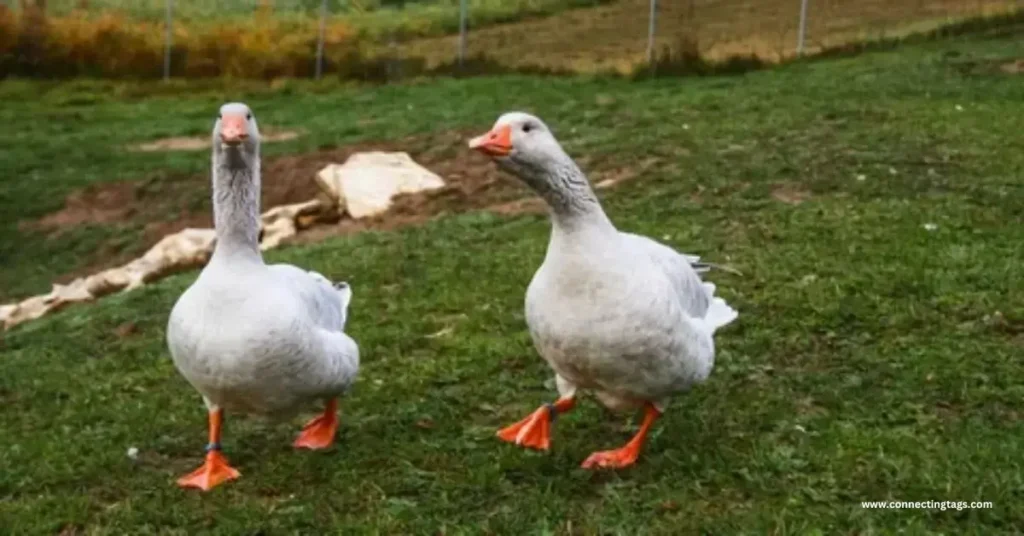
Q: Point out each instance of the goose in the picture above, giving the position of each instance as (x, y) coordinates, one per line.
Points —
(253, 338)
(613, 313)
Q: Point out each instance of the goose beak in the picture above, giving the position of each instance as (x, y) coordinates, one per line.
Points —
(233, 129)
(497, 142)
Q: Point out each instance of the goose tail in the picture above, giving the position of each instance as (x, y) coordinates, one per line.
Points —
(719, 313)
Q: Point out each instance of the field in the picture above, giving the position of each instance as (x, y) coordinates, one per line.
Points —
(614, 36)
(873, 205)
(370, 41)
(379, 18)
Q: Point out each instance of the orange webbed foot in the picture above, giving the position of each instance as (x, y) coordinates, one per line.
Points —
(612, 459)
(532, 432)
(214, 471)
(535, 430)
(319, 432)
(627, 455)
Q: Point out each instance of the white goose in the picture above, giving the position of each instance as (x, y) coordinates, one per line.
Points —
(612, 312)
(253, 338)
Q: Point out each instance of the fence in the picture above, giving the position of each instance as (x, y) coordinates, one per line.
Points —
(394, 39)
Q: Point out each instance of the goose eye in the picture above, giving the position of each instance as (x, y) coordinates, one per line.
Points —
(527, 127)
(248, 117)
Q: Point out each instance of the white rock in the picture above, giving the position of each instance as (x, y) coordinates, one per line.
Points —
(283, 221)
(329, 180)
(186, 249)
(366, 183)
(6, 311)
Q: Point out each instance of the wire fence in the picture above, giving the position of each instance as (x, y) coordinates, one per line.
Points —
(393, 39)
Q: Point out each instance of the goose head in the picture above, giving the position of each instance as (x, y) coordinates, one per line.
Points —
(236, 138)
(523, 145)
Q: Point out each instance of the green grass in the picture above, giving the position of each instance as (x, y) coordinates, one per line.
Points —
(873, 359)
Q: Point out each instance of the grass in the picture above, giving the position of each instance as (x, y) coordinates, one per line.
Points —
(874, 358)
(613, 37)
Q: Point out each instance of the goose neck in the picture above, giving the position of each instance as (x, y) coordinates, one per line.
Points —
(236, 207)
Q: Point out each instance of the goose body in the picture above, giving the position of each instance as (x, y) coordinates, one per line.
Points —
(622, 316)
(615, 313)
(263, 340)
(253, 338)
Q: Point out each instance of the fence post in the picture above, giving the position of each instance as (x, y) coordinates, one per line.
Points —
(802, 31)
(463, 19)
(320, 40)
(168, 39)
(650, 30)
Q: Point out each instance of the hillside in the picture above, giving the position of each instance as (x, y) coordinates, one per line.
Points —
(614, 36)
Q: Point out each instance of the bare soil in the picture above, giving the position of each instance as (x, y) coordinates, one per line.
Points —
(790, 195)
(198, 143)
(158, 207)
(165, 205)
(1013, 67)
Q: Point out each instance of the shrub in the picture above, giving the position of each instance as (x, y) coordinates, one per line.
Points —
(116, 46)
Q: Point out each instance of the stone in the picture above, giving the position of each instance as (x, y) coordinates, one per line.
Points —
(180, 251)
(285, 221)
(367, 182)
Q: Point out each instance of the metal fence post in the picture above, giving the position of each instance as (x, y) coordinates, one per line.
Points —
(650, 30)
(320, 40)
(463, 19)
(802, 31)
(168, 39)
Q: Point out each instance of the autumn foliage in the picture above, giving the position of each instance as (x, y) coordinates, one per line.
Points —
(113, 45)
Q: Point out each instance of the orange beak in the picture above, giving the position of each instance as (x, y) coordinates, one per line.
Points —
(497, 142)
(233, 128)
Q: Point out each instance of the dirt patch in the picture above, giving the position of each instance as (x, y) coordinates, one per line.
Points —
(790, 195)
(471, 182)
(1013, 67)
(197, 143)
(164, 205)
(519, 206)
(106, 204)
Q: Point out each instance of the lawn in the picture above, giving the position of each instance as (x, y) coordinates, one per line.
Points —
(873, 204)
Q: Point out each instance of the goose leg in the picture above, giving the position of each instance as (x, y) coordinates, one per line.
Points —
(215, 468)
(535, 430)
(319, 432)
(627, 455)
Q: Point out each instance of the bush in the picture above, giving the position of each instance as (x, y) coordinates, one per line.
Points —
(116, 46)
